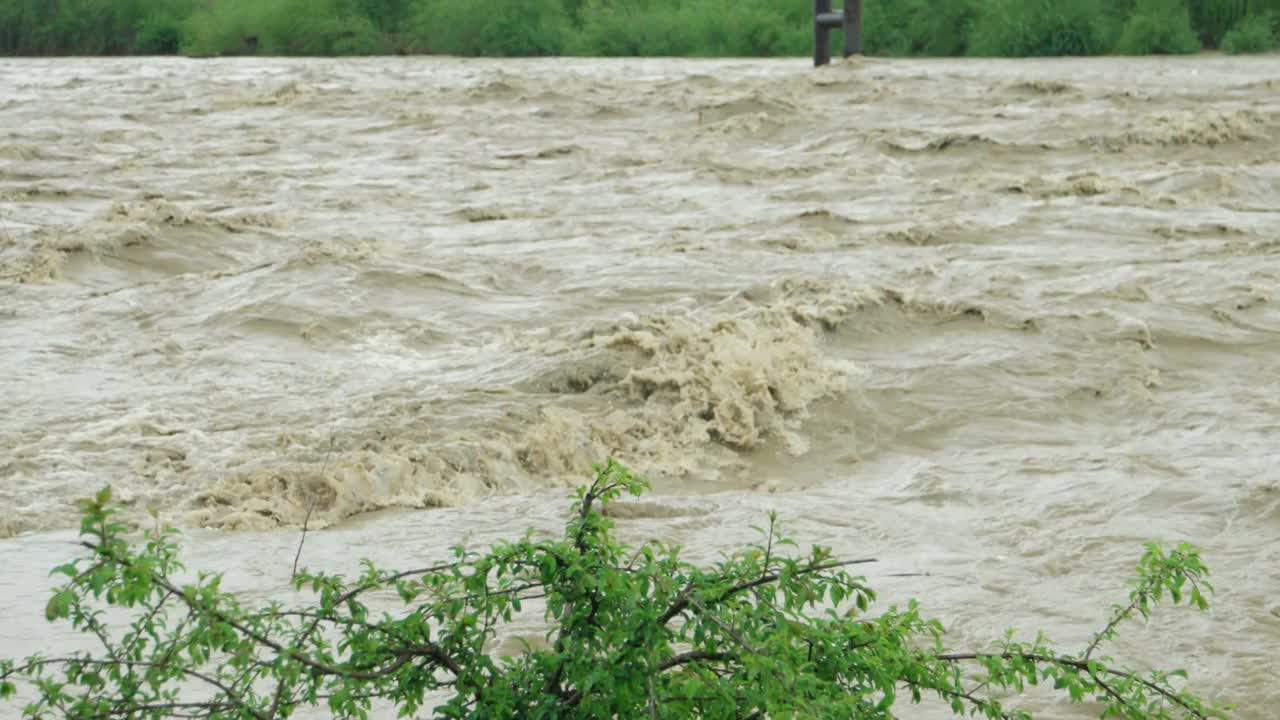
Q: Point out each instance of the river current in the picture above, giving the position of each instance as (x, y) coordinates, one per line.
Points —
(994, 322)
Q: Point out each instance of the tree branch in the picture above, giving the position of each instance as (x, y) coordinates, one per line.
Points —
(682, 601)
(692, 656)
(261, 639)
(1076, 665)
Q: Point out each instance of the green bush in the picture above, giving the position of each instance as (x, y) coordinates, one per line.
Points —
(633, 27)
(319, 27)
(1158, 27)
(516, 27)
(228, 27)
(919, 27)
(84, 27)
(1021, 28)
(281, 27)
(387, 15)
(746, 28)
(1212, 18)
(159, 36)
(635, 632)
(1253, 34)
(714, 28)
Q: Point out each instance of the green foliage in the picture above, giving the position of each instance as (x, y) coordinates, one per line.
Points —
(745, 28)
(1158, 27)
(643, 27)
(90, 27)
(320, 27)
(919, 27)
(634, 632)
(228, 27)
(387, 15)
(461, 27)
(1253, 34)
(1021, 28)
(670, 28)
(1213, 18)
(281, 27)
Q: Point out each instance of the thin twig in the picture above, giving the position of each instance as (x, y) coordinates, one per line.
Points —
(733, 634)
(310, 507)
(1118, 618)
(971, 696)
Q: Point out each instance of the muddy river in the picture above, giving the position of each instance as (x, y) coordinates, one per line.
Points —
(996, 323)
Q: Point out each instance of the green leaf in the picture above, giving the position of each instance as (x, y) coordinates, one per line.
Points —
(57, 607)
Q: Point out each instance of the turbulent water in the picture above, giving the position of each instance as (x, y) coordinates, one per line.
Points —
(998, 322)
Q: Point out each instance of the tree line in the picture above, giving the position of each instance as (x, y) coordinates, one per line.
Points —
(715, 28)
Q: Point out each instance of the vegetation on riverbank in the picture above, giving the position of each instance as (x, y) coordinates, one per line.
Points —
(634, 632)
(628, 27)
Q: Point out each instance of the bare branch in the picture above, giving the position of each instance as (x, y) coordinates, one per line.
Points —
(310, 507)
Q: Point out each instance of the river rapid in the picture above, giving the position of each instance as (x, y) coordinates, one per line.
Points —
(995, 323)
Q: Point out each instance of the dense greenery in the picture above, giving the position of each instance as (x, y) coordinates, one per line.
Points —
(1255, 33)
(635, 632)
(625, 27)
(1160, 26)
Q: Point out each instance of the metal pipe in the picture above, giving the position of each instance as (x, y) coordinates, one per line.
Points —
(852, 27)
(830, 19)
(821, 33)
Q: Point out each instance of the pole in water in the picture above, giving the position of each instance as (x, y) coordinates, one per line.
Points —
(852, 27)
(825, 20)
(821, 32)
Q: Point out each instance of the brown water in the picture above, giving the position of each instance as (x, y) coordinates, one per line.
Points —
(995, 321)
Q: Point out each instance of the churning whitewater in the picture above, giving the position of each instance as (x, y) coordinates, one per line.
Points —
(995, 322)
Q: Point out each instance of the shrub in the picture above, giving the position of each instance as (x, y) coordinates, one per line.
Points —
(944, 30)
(1212, 18)
(1253, 34)
(514, 27)
(1021, 28)
(715, 28)
(228, 27)
(319, 27)
(1158, 26)
(633, 27)
(386, 15)
(919, 27)
(82, 27)
(281, 27)
(158, 36)
(635, 632)
(745, 28)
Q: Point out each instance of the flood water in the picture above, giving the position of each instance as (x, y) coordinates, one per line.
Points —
(996, 323)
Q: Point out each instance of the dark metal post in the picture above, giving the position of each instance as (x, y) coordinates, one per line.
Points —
(852, 27)
(821, 32)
